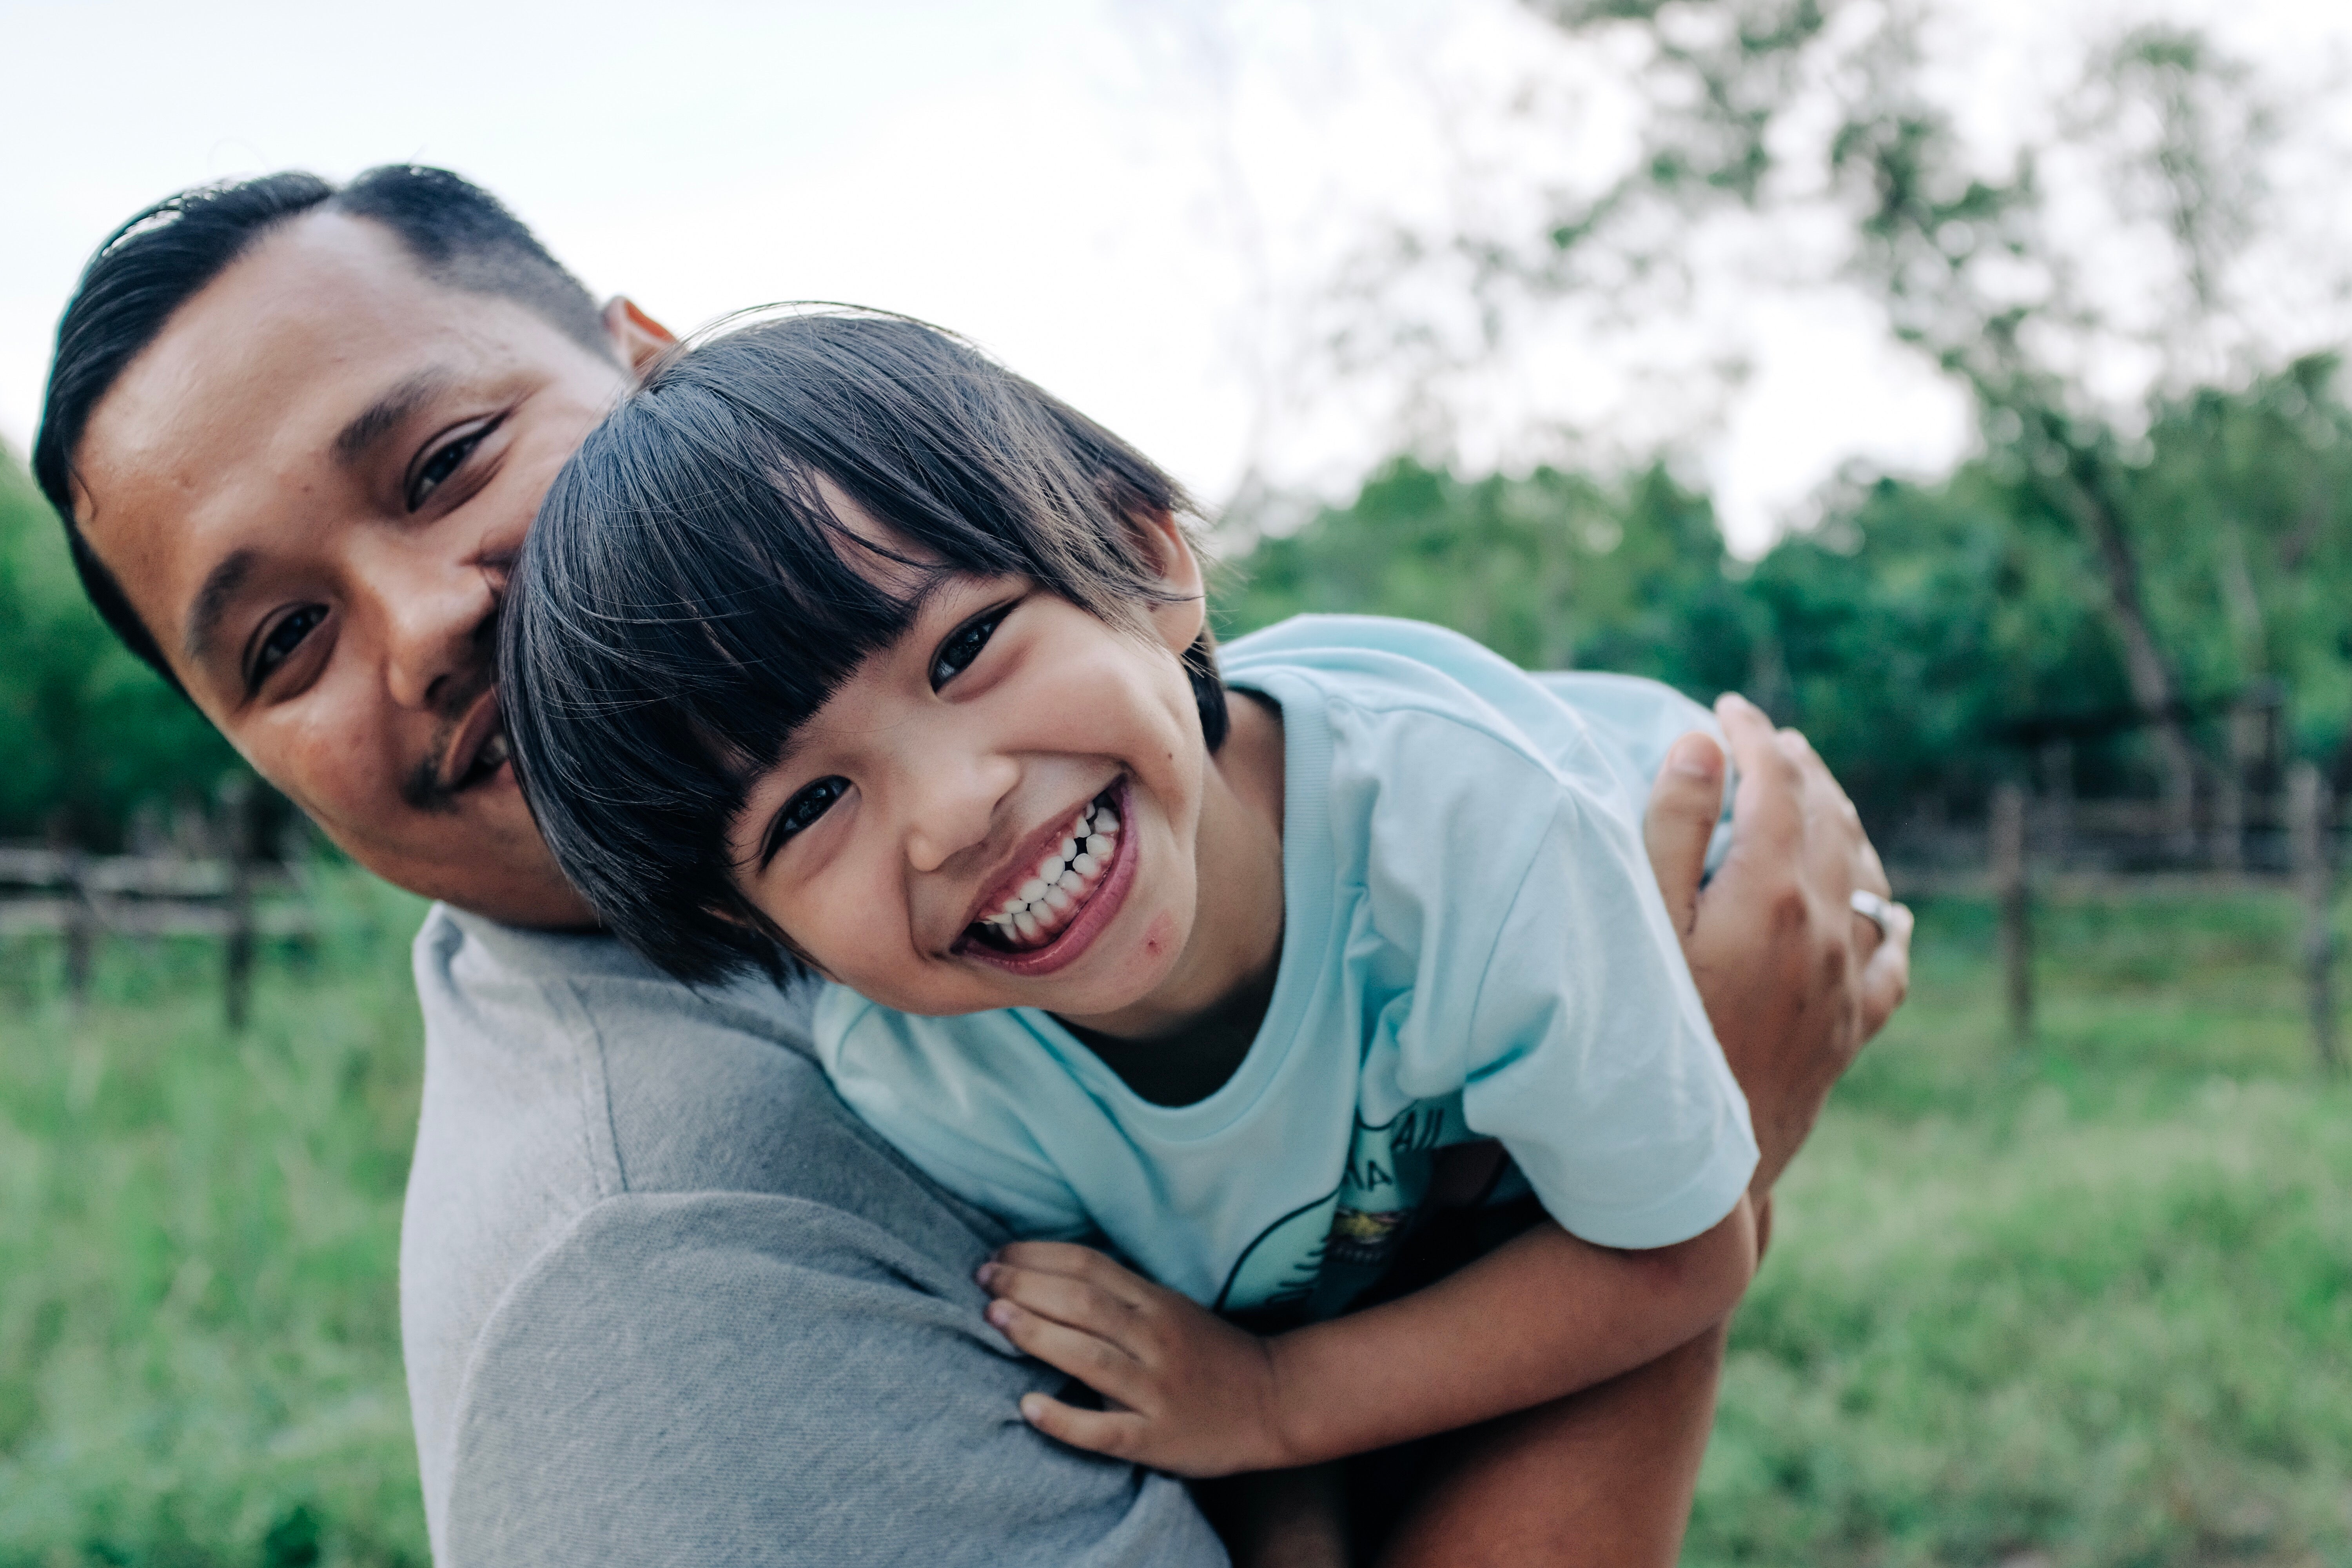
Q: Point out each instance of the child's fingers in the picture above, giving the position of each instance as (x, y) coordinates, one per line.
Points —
(1685, 805)
(1118, 1433)
(1074, 1303)
(1767, 811)
(1066, 1258)
(1096, 1361)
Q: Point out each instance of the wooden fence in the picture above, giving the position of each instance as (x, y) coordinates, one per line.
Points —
(2300, 856)
(85, 899)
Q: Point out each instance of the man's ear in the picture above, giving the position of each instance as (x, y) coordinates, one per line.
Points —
(640, 338)
(1170, 550)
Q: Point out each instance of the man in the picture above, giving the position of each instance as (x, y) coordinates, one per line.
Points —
(661, 1295)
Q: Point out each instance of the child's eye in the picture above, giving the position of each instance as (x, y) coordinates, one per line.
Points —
(801, 811)
(963, 646)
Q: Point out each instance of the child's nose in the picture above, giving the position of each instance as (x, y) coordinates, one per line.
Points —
(954, 808)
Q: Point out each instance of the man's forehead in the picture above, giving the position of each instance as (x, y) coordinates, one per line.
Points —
(325, 311)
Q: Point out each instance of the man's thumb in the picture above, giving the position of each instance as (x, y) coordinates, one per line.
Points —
(1685, 805)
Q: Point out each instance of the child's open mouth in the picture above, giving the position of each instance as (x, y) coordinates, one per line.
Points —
(1044, 909)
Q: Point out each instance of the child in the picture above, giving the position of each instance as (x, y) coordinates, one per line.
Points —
(838, 648)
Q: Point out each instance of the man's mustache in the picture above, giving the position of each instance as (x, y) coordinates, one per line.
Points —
(424, 788)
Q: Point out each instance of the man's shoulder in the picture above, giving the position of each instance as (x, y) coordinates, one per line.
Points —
(566, 1084)
(604, 1076)
(660, 1386)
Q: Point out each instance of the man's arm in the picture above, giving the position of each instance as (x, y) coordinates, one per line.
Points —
(1795, 984)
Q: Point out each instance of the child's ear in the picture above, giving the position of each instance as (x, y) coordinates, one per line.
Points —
(1165, 544)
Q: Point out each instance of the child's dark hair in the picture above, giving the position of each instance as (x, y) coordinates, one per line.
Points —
(686, 599)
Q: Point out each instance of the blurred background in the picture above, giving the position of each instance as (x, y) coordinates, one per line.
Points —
(1959, 382)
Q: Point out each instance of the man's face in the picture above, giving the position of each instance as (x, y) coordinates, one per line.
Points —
(311, 486)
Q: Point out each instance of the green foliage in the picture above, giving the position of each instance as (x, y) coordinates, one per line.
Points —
(1923, 633)
(1553, 570)
(89, 731)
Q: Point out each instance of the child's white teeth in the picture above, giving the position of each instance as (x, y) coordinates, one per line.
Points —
(1048, 901)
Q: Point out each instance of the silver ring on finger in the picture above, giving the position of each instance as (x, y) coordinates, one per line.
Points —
(1878, 911)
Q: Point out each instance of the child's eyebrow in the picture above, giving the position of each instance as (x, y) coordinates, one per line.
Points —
(934, 580)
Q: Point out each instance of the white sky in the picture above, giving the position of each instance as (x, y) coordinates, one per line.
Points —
(1125, 198)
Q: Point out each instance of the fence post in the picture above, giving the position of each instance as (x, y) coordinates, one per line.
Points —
(2307, 815)
(2057, 768)
(81, 926)
(2229, 797)
(237, 811)
(2009, 887)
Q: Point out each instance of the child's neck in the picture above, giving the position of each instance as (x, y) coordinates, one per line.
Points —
(1182, 1042)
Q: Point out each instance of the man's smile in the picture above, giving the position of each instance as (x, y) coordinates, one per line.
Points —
(471, 751)
(479, 746)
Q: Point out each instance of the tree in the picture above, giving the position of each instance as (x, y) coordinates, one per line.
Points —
(89, 732)
(2130, 230)
(1925, 634)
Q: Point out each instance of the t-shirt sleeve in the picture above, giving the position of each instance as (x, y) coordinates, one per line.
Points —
(756, 1380)
(960, 1127)
(1552, 991)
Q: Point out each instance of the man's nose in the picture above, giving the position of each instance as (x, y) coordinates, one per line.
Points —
(436, 613)
(952, 806)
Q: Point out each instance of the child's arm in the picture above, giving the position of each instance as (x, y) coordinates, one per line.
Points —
(1541, 1317)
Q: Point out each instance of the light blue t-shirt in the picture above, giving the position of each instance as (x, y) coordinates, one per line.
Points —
(1473, 946)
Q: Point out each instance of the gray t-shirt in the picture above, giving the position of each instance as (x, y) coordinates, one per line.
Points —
(663, 1299)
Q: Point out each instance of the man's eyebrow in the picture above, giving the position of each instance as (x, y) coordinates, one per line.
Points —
(212, 600)
(379, 418)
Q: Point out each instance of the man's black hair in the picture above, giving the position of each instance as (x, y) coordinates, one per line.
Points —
(687, 599)
(457, 234)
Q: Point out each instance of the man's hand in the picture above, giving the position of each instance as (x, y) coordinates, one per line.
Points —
(1185, 1391)
(1794, 981)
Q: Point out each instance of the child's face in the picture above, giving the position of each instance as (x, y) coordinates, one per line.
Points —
(911, 841)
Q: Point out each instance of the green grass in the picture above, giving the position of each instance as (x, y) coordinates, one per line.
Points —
(2088, 1303)
(199, 1344)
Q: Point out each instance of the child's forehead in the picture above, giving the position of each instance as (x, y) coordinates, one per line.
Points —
(904, 568)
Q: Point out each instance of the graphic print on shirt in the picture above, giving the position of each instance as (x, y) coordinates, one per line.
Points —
(1317, 1258)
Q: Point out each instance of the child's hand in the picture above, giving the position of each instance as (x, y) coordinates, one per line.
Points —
(1187, 1392)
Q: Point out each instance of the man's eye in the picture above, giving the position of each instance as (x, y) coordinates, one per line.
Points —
(444, 463)
(801, 811)
(963, 646)
(284, 638)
